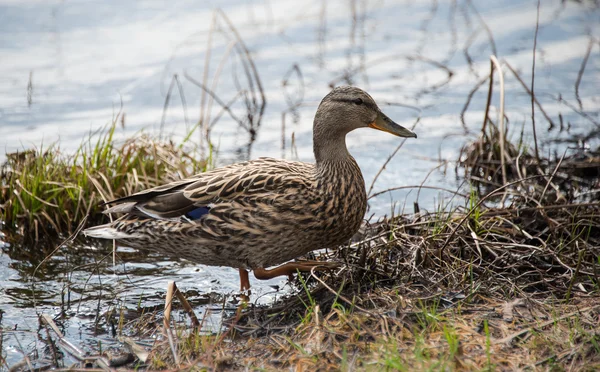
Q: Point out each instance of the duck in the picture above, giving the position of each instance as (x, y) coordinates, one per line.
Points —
(260, 213)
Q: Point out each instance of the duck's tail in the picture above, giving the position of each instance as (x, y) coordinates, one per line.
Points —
(108, 232)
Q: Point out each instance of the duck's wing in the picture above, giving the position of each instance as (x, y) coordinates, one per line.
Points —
(193, 198)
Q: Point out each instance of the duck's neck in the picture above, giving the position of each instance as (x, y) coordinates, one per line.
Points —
(330, 149)
(340, 186)
(334, 162)
(329, 141)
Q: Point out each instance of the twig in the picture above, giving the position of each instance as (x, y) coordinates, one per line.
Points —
(216, 98)
(488, 102)
(390, 158)
(166, 320)
(582, 70)
(25, 361)
(351, 303)
(420, 187)
(580, 112)
(499, 212)
(73, 350)
(207, 122)
(485, 27)
(575, 274)
(168, 303)
(52, 346)
(202, 119)
(223, 110)
(469, 98)
(553, 174)
(250, 62)
(441, 164)
(174, 81)
(502, 129)
(537, 25)
(172, 345)
(187, 307)
(530, 93)
(49, 256)
(508, 339)
(139, 351)
(299, 97)
(172, 290)
(412, 107)
(479, 204)
(466, 47)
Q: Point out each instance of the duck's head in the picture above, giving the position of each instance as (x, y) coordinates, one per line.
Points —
(347, 108)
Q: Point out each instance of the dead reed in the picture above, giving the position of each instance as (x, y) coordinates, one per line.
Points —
(571, 177)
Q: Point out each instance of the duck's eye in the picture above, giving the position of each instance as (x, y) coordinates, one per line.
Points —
(358, 101)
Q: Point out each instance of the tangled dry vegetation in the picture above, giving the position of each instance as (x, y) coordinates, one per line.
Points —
(477, 287)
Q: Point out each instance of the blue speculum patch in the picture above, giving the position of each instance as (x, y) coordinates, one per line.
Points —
(196, 214)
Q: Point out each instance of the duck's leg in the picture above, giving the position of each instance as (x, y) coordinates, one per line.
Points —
(291, 267)
(244, 286)
(244, 280)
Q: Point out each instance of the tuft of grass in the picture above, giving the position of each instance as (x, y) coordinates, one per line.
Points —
(45, 194)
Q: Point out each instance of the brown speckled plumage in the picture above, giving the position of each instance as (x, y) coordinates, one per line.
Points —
(263, 212)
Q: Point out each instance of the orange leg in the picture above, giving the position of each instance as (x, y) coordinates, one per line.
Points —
(291, 267)
(244, 285)
(244, 280)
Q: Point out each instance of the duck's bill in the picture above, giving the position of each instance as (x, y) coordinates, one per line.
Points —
(387, 125)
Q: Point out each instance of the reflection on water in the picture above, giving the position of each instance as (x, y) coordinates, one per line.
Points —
(85, 294)
(68, 67)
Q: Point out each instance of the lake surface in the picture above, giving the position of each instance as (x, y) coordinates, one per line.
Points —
(68, 68)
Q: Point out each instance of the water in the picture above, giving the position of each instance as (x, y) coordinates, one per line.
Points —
(68, 68)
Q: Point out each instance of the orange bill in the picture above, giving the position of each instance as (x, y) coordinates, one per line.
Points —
(387, 125)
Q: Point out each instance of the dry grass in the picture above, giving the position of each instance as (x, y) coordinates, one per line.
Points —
(408, 333)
